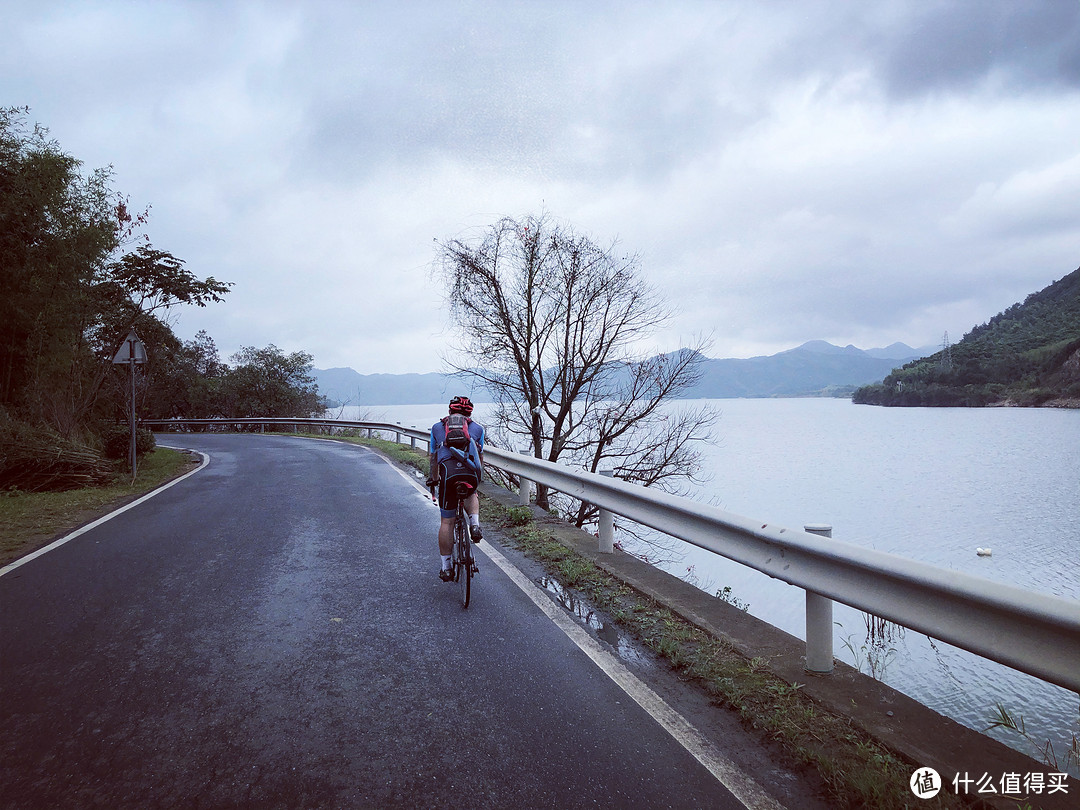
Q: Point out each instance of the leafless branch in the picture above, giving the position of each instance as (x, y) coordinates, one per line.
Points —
(549, 323)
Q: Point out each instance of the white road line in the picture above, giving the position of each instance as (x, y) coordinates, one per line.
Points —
(744, 788)
(57, 543)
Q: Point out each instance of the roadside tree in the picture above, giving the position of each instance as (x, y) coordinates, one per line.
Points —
(68, 292)
(57, 230)
(551, 324)
(268, 382)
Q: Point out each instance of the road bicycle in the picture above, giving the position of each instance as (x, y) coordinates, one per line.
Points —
(461, 559)
(462, 562)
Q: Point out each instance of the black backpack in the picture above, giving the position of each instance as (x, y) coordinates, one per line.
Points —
(456, 426)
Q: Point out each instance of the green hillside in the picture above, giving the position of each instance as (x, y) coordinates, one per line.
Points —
(1027, 355)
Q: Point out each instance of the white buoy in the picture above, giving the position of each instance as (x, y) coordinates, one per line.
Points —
(984, 552)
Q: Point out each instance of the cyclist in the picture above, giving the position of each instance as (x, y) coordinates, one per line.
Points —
(448, 467)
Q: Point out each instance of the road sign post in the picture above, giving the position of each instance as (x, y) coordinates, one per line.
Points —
(131, 351)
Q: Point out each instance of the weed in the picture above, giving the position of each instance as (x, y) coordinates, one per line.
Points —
(1003, 719)
(519, 515)
(873, 656)
(573, 571)
(725, 595)
(782, 689)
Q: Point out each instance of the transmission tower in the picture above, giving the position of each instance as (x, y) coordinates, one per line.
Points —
(945, 364)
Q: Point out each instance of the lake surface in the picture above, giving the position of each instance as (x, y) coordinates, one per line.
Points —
(931, 484)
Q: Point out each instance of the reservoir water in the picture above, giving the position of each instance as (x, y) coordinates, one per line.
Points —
(931, 484)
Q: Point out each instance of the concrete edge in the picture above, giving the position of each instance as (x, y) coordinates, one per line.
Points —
(916, 733)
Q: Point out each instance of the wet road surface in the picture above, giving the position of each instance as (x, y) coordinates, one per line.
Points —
(271, 632)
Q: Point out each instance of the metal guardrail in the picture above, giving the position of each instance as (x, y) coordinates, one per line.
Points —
(1032, 632)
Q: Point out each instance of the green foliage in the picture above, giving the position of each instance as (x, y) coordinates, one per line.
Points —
(68, 293)
(268, 382)
(1027, 355)
(57, 229)
(183, 379)
(519, 515)
(189, 380)
(117, 442)
(154, 279)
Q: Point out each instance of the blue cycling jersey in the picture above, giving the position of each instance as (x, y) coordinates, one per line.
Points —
(438, 435)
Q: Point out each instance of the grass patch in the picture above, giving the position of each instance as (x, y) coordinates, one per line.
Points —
(857, 770)
(30, 520)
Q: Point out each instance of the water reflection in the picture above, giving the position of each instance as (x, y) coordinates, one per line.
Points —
(587, 615)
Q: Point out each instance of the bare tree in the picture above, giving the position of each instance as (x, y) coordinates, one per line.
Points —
(549, 322)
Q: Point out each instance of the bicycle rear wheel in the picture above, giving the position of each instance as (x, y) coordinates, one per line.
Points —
(464, 561)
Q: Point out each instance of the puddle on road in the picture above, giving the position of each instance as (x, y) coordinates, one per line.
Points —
(623, 647)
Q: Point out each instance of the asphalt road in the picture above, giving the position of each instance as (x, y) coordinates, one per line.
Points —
(271, 632)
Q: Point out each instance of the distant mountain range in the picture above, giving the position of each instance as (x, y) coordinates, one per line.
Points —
(816, 368)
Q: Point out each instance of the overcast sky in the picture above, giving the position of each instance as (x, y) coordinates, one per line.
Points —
(855, 172)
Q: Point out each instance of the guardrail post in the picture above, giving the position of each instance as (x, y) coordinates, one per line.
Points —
(397, 436)
(524, 489)
(819, 621)
(412, 439)
(607, 524)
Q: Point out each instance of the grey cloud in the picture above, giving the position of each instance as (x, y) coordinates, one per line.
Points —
(936, 46)
(792, 170)
(955, 45)
(538, 90)
(426, 83)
